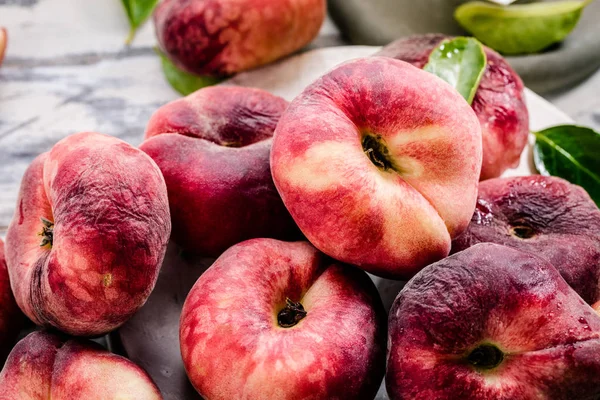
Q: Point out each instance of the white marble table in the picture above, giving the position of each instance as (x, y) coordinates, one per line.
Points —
(68, 69)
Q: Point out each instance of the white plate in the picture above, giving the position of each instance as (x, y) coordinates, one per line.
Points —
(150, 338)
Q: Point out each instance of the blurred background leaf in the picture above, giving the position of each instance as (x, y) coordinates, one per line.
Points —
(522, 28)
(138, 12)
(182, 81)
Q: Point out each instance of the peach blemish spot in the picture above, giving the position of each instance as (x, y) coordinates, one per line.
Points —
(107, 280)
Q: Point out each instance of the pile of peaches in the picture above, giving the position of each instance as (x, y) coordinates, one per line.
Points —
(376, 167)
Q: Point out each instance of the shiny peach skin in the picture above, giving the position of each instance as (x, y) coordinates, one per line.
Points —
(44, 366)
(499, 102)
(109, 205)
(233, 347)
(223, 37)
(213, 149)
(11, 318)
(389, 222)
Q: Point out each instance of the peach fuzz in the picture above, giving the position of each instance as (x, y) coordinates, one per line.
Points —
(223, 37)
(11, 318)
(279, 320)
(44, 366)
(89, 234)
(378, 163)
(213, 149)
(499, 102)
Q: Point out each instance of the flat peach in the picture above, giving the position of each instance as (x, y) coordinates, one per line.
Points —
(43, 366)
(219, 38)
(89, 234)
(213, 149)
(378, 163)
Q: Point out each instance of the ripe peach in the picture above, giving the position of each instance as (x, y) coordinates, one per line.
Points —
(223, 37)
(378, 163)
(546, 216)
(213, 149)
(89, 234)
(492, 322)
(11, 318)
(278, 320)
(44, 366)
(499, 102)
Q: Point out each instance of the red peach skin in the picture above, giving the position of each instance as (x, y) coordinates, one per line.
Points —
(223, 37)
(378, 163)
(108, 204)
(11, 318)
(43, 366)
(495, 297)
(213, 149)
(543, 215)
(234, 347)
(499, 102)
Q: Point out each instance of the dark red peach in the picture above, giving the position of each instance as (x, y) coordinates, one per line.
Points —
(11, 318)
(213, 149)
(492, 322)
(546, 216)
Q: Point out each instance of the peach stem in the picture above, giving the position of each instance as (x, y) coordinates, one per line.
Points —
(292, 313)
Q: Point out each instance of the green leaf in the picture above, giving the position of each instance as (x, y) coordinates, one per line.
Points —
(570, 152)
(137, 11)
(182, 81)
(461, 62)
(522, 28)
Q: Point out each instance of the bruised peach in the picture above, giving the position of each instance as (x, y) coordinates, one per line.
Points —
(499, 102)
(222, 37)
(378, 163)
(10, 316)
(89, 234)
(44, 366)
(277, 320)
(213, 149)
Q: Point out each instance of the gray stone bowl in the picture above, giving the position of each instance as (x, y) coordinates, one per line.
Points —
(378, 22)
